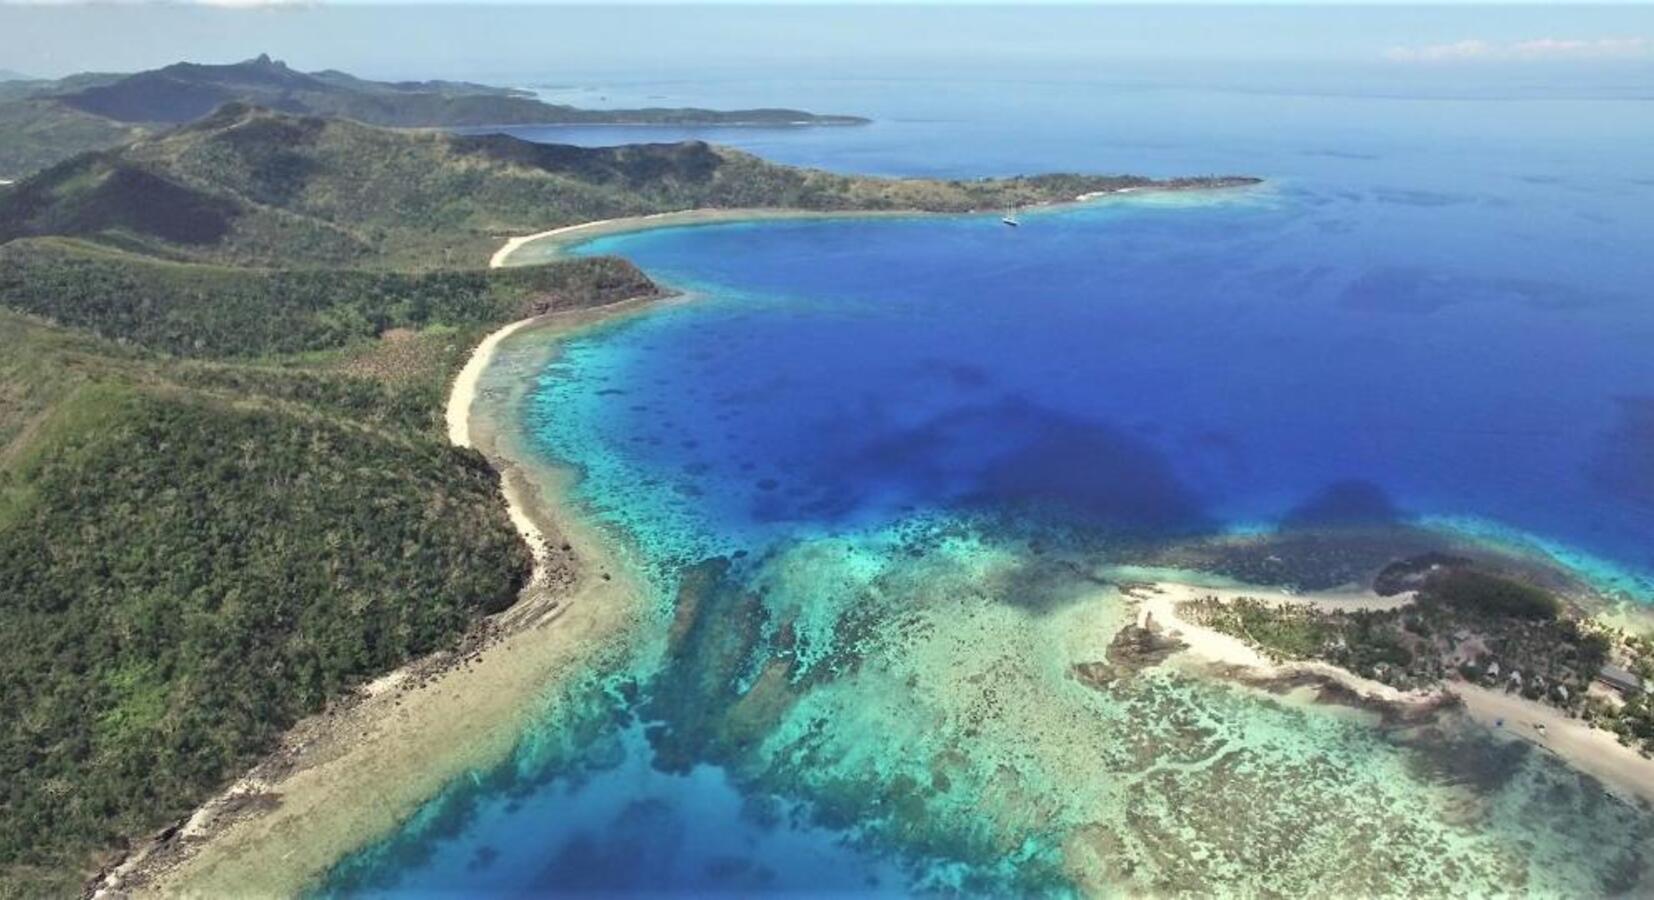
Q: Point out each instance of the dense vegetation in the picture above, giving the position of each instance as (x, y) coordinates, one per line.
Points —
(1359, 641)
(204, 310)
(45, 122)
(1488, 594)
(193, 555)
(196, 552)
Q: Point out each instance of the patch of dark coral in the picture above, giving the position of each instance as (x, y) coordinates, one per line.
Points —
(723, 685)
(1304, 559)
(1410, 574)
(1390, 558)
(1134, 648)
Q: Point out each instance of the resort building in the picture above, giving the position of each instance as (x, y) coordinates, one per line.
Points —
(1620, 680)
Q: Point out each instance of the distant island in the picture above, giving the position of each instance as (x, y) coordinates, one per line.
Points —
(43, 122)
(228, 497)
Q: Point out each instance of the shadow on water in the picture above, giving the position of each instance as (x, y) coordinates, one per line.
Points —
(1351, 503)
(959, 374)
(1623, 465)
(1016, 455)
(1419, 291)
(626, 856)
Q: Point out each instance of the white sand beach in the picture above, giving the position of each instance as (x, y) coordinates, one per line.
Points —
(1161, 600)
(549, 243)
(1590, 750)
(581, 231)
(464, 391)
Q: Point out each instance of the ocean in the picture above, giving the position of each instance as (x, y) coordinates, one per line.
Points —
(871, 468)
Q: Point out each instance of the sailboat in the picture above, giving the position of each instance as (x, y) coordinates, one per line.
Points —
(1010, 218)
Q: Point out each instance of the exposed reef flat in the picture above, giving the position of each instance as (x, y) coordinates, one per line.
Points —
(958, 696)
(974, 700)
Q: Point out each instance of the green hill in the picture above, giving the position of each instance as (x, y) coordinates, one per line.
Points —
(194, 555)
(222, 514)
(36, 133)
(184, 92)
(254, 187)
(43, 122)
(226, 493)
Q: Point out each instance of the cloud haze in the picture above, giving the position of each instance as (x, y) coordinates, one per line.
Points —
(1534, 50)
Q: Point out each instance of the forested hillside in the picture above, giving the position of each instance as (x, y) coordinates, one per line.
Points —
(219, 311)
(251, 187)
(193, 555)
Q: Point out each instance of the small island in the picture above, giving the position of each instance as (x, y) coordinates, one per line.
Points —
(1439, 630)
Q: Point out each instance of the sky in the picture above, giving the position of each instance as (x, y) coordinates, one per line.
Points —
(509, 44)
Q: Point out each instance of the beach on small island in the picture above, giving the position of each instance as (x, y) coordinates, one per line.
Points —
(1627, 773)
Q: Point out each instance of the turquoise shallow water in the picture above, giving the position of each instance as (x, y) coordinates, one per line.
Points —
(875, 471)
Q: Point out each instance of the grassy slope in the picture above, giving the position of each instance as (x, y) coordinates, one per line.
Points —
(35, 134)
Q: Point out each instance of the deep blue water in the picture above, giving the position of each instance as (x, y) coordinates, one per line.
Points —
(1442, 295)
(1168, 364)
(1447, 298)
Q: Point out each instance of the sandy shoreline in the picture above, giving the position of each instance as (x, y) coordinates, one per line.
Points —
(1161, 600)
(1590, 750)
(463, 394)
(344, 778)
(1597, 753)
(547, 245)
